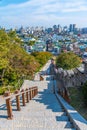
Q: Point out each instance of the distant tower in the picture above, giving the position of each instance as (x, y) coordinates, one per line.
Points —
(74, 27)
(59, 28)
(55, 27)
(70, 28)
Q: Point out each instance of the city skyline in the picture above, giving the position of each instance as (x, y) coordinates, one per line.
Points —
(42, 13)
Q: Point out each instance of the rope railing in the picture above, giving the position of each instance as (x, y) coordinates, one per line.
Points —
(26, 96)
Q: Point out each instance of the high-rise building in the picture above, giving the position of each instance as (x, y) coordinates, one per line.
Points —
(72, 28)
(84, 30)
(55, 27)
(65, 29)
(59, 28)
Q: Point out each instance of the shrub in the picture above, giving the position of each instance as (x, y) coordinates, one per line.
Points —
(15, 63)
(68, 60)
(42, 57)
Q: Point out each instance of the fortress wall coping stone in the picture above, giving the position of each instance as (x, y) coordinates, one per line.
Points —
(78, 121)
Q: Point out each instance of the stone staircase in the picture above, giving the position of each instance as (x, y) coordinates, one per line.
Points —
(43, 112)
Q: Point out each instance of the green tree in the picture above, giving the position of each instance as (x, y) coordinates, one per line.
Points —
(31, 43)
(4, 38)
(14, 37)
(68, 60)
(14, 61)
(4, 49)
(21, 62)
(42, 57)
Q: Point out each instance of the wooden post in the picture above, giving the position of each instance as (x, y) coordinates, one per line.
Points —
(30, 92)
(34, 91)
(37, 90)
(23, 97)
(8, 105)
(17, 101)
(41, 78)
(27, 95)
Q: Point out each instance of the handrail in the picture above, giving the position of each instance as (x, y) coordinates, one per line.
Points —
(29, 93)
(11, 96)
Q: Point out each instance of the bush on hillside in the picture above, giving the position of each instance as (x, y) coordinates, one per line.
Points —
(68, 60)
(42, 57)
(14, 61)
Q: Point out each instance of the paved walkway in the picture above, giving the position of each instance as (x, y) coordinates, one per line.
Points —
(44, 112)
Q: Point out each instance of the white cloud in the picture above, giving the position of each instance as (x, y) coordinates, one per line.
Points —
(42, 12)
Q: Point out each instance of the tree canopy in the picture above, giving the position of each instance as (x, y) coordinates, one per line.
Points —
(68, 60)
(15, 62)
(42, 57)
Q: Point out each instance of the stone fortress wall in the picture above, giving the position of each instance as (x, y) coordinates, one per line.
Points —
(70, 78)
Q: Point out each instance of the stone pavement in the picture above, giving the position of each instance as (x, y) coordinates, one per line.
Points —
(44, 112)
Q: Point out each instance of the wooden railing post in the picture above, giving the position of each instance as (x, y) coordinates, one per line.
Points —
(37, 91)
(17, 100)
(27, 95)
(30, 92)
(23, 97)
(34, 91)
(8, 105)
(41, 78)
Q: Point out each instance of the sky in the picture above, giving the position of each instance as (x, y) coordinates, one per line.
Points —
(17, 13)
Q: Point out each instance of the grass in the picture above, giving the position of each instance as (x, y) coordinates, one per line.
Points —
(77, 101)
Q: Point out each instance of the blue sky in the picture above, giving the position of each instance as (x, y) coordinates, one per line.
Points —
(14, 13)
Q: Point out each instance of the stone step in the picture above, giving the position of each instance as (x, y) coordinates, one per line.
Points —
(41, 123)
(46, 104)
(43, 112)
(62, 118)
(40, 114)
